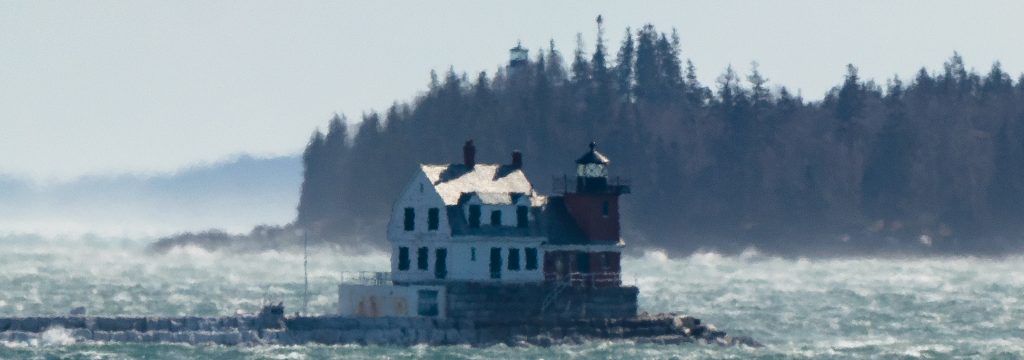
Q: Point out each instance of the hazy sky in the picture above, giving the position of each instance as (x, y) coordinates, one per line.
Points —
(91, 87)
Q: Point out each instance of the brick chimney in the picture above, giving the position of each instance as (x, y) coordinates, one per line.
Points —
(517, 159)
(469, 154)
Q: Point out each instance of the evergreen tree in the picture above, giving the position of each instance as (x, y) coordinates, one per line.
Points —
(694, 91)
(580, 66)
(1006, 191)
(997, 81)
(647, 70)
(310, 198)
(600, 98)
(887, 174)
(850, 99)
(624, 67)
(671, 74)
(555, 65)
(760, 94)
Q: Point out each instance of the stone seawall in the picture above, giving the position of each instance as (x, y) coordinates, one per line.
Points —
(257, 330)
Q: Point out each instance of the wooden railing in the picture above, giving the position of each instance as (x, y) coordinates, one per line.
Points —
(578, 279)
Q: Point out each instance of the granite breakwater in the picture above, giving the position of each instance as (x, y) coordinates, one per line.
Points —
(272, 327)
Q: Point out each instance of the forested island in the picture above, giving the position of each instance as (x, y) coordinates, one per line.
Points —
(933, 164)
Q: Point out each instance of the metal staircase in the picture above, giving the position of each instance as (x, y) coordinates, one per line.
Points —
(553, 295)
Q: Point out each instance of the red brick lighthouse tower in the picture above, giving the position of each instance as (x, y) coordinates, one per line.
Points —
(585, 245)
(595, 204)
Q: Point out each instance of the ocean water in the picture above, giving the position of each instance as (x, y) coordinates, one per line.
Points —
(947, 307)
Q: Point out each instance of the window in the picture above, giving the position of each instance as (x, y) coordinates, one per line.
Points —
(421, 187)
(440, 263)
(474, 216)
(531, 258)
(403, 258)
(410, 219)
(496, 218)
(421, 258)
(472, 254)
(522, 216)
(604, 208)
(583, 262)
(513, 259)
(495, 265)
(433, 216)
(426, 304)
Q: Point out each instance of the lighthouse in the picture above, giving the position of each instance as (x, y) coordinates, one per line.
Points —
(476, 238)
(591, 254)
(517, 56)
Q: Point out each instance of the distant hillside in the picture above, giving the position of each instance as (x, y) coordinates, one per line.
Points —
(234, 195)
(930, 164)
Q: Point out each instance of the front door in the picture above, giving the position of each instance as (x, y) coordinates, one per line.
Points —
(495, 263)
(440, 263)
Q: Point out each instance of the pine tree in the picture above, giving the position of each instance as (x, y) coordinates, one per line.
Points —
(1006, 189)
(624, 67)
(599, 100)
(580, 66)
(850, 99)
(647, 70)
(887, 174)
(311, 203)
(555, 65)
(671, 79)
(997, 81)
(695, 92)
(955, 77)
(760, 94)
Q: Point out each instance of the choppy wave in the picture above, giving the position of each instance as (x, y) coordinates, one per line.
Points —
(803, 308)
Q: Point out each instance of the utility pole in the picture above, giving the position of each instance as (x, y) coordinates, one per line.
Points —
(305, 271)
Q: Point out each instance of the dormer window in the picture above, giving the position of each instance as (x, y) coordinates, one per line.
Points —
(496, 218)
(522, 216)
(474, 216)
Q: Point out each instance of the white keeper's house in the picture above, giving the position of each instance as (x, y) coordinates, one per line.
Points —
(487, 224)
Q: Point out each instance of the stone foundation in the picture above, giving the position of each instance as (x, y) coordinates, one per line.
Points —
(539, 301)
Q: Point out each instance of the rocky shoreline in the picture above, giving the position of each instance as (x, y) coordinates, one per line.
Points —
(275, 329)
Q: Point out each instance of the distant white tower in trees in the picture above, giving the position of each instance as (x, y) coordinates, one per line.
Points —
(517, 58)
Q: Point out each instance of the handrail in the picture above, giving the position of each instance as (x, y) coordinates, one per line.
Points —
(572, 279)
(366, 277)
(562, 185)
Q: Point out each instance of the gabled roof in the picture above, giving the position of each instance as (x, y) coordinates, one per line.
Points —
(495, 182)
(490, 198)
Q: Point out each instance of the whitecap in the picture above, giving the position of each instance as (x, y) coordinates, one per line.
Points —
(56, 336)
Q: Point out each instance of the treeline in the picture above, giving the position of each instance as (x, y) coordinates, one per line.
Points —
(934, 163)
